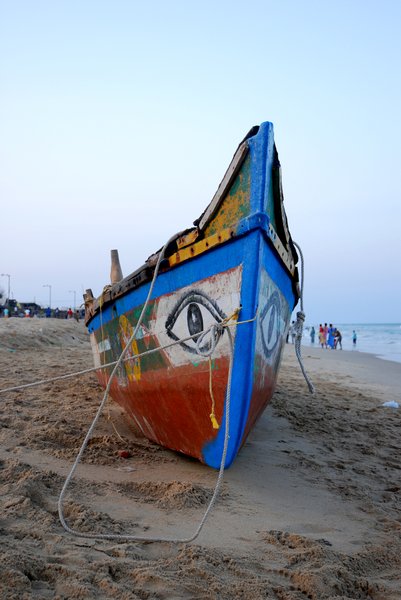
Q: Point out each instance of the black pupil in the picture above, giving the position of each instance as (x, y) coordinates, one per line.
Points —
(195, 320)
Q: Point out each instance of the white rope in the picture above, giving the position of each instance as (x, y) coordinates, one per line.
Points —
(299, 325)
(216, 330)
(111, 364)
(137, 538)
(24, 386)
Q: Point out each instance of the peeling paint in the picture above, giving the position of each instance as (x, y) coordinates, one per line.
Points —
(236, 205)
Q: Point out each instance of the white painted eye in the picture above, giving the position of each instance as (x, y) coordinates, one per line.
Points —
(193, 313)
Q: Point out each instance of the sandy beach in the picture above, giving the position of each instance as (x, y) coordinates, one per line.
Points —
(310, 508)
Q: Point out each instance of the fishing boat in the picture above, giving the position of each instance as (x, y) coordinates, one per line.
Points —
(213, 329)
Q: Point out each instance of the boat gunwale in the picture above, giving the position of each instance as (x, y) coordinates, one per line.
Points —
(144, 273)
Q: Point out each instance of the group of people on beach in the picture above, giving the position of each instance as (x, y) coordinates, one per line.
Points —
(44, 312)
(330, 336)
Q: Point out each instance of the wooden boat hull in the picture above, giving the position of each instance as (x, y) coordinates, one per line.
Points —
(176, 396)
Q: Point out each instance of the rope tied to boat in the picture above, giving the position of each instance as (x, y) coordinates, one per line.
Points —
(212, 416)
(139, 538)
(216, 331)
(104, 366)
(298, 327)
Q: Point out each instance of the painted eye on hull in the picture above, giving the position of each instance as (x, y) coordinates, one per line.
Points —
(270, 324)
(193, 313)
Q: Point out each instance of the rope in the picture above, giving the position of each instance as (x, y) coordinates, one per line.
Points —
(111, 364)
(139, 538)
(299, 325)
(216, 332)
(215, 423)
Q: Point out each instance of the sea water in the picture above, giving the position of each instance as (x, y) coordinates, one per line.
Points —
(381, 339)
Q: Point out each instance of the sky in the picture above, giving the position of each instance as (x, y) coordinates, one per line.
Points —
(118, 121)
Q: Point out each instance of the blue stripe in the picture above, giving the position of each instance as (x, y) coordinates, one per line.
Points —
(242, 376)
(222, 258)
(244, 355)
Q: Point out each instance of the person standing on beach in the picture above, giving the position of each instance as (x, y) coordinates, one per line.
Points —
(321, 335)
(312, 335)
(354, 337)
(291, 332)
(338, 339)
(325, 333)
(330, 341)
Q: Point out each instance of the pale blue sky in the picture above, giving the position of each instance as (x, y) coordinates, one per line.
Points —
(118, 120)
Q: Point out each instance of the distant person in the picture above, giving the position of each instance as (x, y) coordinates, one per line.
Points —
(27, 312)
(76, 316)
(5, 313)
(338, 339)
(325, 334)
(354, 337)
(312, 335)
(69, 313)
(57, 313)
(48, 312)
(321, 335)
(330, 339)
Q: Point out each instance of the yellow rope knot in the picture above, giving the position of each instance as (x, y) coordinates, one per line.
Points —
(213, 419)
(232, 317)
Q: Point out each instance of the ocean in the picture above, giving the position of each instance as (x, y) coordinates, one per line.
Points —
(381, 339)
